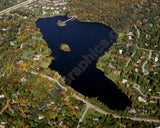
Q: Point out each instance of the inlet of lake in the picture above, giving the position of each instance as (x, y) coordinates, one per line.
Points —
(87, 41)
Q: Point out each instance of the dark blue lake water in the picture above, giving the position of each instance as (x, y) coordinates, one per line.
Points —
(87, 41)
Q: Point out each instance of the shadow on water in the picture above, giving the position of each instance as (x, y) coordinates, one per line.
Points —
(87, 41)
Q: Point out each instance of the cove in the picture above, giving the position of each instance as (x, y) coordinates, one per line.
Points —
(87, 41)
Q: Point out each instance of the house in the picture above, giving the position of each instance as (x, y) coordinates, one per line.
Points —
(155, 73)
(13, 110)
(95, 119)
(127, 85)
(12, 43)
(4, 29)
(23, 79)
(132, 110)
(124, 81)
(48, 8)
(130, 37)
(61, 123)
(3, 123)
(135, 65)
(76, 107)
(64, 8)
(153, 111)
(35, 99)
(40, 117)
(25, 17)
(57, 12)
(44, 12)
(52, 102)
(156, 59)
(1, 96)
(133, 94)
(111, 66)
(130, 34)
(139, 61)
(158, 92)
(153, 101)
(120, 52)
(141, 99)
(37, 57)
(143, 109)
(142, 56)
(151, 68)
(40, 69)
(136, 69)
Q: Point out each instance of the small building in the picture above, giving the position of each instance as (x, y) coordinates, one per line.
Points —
(95, 119)
(130, 37)
(143, 109)
(133, 94)
(40, 117)
(124, 81)
(25, 17)
(127, 85)
(120, 51)
(156, 59)
(1, 96)
(153, 101)
(4, 29)
(139, 61)
(132, 110)
(3, 123)
(23, 79)
(153, 111)
(158, 92)
(136, 69)
(12, 43)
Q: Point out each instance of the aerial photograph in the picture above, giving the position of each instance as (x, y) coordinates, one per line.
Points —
(79, 64)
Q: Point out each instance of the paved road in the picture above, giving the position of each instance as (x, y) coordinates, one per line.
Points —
(143, 69)
(5, 107)
(138, 32)
(130, 59)
(137, 87)
(16, 6)
(91, 105)
(81, 119)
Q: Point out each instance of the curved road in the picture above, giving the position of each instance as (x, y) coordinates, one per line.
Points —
(89, 105)
(143, 69)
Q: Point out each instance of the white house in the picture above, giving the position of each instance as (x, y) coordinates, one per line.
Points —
(12, 43)
(95, 119)
(37, 57)
(40, 117)
(120, 51)
(124, 81)
(156, 59)
(64, 8)
(52, 8)
(1, 96)
(130, 37)
(25, 17)
(4, 29)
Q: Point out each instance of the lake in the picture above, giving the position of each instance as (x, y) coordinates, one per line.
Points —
(87, 41)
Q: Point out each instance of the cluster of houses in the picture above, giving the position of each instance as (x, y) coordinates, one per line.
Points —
(46, 8)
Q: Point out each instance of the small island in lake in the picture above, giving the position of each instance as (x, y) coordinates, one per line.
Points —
(61, 23)
(65, 48)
